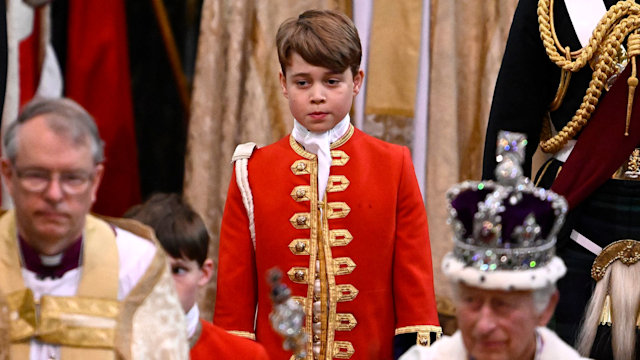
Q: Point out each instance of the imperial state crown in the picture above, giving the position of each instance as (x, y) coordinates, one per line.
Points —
(505, 230)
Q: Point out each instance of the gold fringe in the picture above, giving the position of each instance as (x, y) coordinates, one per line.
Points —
(605, 316)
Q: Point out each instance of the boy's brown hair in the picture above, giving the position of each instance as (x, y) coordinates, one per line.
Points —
(178, 227)
(324, 38)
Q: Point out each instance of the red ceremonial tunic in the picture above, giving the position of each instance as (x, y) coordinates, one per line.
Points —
(371, 239)
(215, 343)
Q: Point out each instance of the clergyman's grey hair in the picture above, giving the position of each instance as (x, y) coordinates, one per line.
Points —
(65, 117)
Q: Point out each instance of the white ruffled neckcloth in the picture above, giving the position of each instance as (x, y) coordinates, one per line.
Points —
(320, 145)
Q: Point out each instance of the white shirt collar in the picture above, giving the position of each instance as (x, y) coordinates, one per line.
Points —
(192, 318)
(300, 132)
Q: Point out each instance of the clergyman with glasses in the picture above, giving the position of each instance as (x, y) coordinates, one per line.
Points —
(72, 285)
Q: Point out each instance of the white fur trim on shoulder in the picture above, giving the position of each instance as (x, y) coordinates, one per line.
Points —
(537, 278)
(555, 348)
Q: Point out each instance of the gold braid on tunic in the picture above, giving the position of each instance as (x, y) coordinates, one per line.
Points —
(602, 54)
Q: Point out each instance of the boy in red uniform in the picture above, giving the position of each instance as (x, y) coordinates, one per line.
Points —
(338, 211)
(184, 237)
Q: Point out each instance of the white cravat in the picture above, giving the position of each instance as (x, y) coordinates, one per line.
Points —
(320, 144)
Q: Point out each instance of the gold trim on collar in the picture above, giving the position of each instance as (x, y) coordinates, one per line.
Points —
(627, 251)
(344, 138)
(340, 237)
(302, 152)
(337, 210)
(339, 158)
(244, 334)
(300, 221)
(299, 246)
(346, 292)
(343, 350)
(343, 266)
(301, 193)
(299, 149)
(346, 322)
(337, 183)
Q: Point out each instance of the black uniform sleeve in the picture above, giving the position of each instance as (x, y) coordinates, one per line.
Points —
(528, 81)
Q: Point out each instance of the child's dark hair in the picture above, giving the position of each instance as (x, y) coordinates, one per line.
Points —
(178, 227)
(324, 38)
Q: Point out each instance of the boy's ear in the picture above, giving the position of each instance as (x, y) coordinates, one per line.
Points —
(357, 82)
(283, 84)
(207, 272)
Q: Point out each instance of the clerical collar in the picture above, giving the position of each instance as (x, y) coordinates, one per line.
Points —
(53, 266)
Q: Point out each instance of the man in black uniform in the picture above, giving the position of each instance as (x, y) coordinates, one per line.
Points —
(596, 119)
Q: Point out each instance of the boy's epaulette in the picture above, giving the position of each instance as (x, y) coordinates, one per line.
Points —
(241, 157)
(243, 151)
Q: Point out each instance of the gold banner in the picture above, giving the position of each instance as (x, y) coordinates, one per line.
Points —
(394, 52)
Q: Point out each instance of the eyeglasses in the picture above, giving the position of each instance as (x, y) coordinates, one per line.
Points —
(37, 180)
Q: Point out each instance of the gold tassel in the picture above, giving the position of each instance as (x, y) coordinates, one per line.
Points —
(565, 78)
(634, 49)
(633, 82)
(605, 316)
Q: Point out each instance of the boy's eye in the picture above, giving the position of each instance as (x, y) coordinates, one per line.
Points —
(333, 81)
(178, 270)
(302, 83)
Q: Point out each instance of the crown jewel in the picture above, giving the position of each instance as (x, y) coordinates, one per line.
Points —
(508, 224)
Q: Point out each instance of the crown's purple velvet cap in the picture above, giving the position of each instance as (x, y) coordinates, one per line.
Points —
(466, 206)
